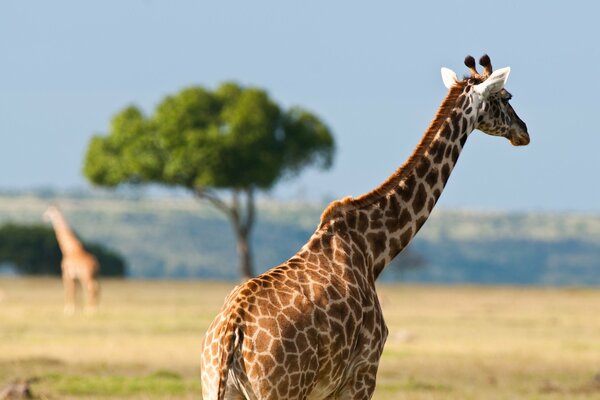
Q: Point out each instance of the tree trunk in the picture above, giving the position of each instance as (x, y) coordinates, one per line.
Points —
(245, 254)
(241, 213)
(242, 217)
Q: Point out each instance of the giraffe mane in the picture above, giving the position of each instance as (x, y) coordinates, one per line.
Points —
(367, 199)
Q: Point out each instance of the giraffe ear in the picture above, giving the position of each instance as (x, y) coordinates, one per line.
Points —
(494, 83)
(449, 77)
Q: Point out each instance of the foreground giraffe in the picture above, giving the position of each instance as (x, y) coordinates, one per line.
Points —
(312, 328)
(77, 264)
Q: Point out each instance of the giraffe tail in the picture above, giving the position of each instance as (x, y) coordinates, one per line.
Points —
(229, 339)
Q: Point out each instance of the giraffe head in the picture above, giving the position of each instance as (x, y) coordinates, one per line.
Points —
(493, 113)
(50, 213)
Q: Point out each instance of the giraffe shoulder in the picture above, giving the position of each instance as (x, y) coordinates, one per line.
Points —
(332, 208)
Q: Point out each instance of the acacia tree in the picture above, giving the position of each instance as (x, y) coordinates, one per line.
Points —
(222, 145)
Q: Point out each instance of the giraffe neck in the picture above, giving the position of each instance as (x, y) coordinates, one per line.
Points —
(67, 241)
(382, 223)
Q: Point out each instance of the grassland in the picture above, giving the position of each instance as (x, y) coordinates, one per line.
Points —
(445, 342)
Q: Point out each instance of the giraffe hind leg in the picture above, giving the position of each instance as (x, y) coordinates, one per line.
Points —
(234, 394)
(93, 292)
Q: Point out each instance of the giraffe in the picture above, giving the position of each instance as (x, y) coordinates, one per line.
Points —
(312, 328)
(77, 264)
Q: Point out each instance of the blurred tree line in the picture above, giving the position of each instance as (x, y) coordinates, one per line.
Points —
(33, 250)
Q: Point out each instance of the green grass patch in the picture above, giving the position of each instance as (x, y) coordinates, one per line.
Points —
(159, 383)
(445, 343)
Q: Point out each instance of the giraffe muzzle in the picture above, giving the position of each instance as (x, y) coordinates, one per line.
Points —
(518, 135)
(519, 139)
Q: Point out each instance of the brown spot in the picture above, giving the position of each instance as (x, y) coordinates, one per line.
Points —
(314, 245)
(455, 119)
(454, 135)
(404, 217)
(392, 224)
(376, 224)
(377, 268)
(446, 132)
(301, 342)
(292, 392)
(249, 356)
(455, 154)
(406, 191)
(432, 177)
(377, 242)
(448, 151)
(376, 214)
(339, 227)
(460, 101)
(445, 173)
(341, 257)
(363, 222)
(337, 310)
(351, 219)
(261, 341)
(405, 237)
(359, 241)
(430, 204)
(395, 247)
(326, 245)
(420, 198)
(358, 258)
(420, 222)
(393, 208)
(423, 166)
(396, 223)
(439, 154)
(267, 361)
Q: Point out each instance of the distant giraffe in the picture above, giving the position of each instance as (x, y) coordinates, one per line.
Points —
(312, 328)
(77, 264)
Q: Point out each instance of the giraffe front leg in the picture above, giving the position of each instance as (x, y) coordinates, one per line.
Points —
(361, 384)
(69, 287)
(363, 374)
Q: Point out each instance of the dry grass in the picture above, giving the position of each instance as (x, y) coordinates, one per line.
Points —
(445, 342)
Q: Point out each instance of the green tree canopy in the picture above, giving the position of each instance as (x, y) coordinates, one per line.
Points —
(234, 139)
(33, 250)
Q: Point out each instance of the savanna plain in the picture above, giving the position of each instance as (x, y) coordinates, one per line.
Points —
(445, 342)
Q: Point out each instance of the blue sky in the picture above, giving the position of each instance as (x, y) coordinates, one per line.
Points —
(369, 69)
